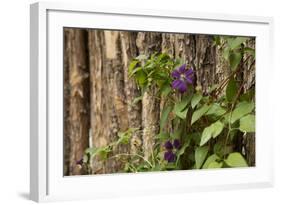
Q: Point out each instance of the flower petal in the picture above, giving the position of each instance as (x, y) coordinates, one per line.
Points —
(189, 72)
(176, 143)
(172, 158)
(79, 162)
(182, 87)
(189, 80)
(176, 84)
(176, 74)
(168, 145)
(169, 156)
(181, 69)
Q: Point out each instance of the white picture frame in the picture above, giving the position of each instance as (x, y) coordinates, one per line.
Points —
(47, 182)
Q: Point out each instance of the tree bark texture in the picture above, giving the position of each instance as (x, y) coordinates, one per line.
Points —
(77, 119)
(98, 93)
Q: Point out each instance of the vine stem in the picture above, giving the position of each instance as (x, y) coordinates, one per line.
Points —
(125, 154)
(230, 116)
(224, 82)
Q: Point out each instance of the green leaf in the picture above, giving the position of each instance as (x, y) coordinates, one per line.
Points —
(162, 136)
(132, 66)
(196, 136)
(196, 99)
(183, 103)
(234, 60)
(181, 114)
(214, 165)
(235, 159)
(231, 90)
(176, 134)
(181, 151)
(220, 149)
(236, 42)
(212, 131)
(247, 96)
(124, 137)
(199, 113)
(200, 156)
(135, 70)
(103, 152)
(226, 52)
(247, 123)
(217, 40)
(210, 159)
(141, 78)
(181, 108)
(165, 90)
(164, 116)
(216, 110)
(241, 110)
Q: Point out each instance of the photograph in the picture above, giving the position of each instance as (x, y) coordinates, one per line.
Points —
(146, 101)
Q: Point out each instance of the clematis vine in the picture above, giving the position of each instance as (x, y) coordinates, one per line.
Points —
(169, 155)
(182, 77)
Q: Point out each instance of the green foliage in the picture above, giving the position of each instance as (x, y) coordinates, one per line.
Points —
(231, 90)
(211, 132)
(165, 90)
(247, 123)
(181, 113)
(181, 151)
(181, 108)
(199, 113)
(196, 99)
(233, 50)
(200, 156)
(153, 70)
(242, 109)
(234, 60)
(124, 137)
(235, 42)
(183, 103)
(101, 152)
(205, 123)
(162, 136)
(235, 159)
(164, 116)
(216, 110)
(221, 150)
(210, 160)
(215, 164)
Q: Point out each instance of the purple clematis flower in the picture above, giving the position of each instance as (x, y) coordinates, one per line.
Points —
(182, 77)
(79, 162)
(168, 145)
(170, 156)
(177, 144)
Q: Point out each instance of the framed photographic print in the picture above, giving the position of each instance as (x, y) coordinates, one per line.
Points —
(121, 98)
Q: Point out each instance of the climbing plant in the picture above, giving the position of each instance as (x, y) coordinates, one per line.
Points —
(196, 130)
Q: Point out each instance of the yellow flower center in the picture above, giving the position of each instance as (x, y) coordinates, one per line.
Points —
(182, 77)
